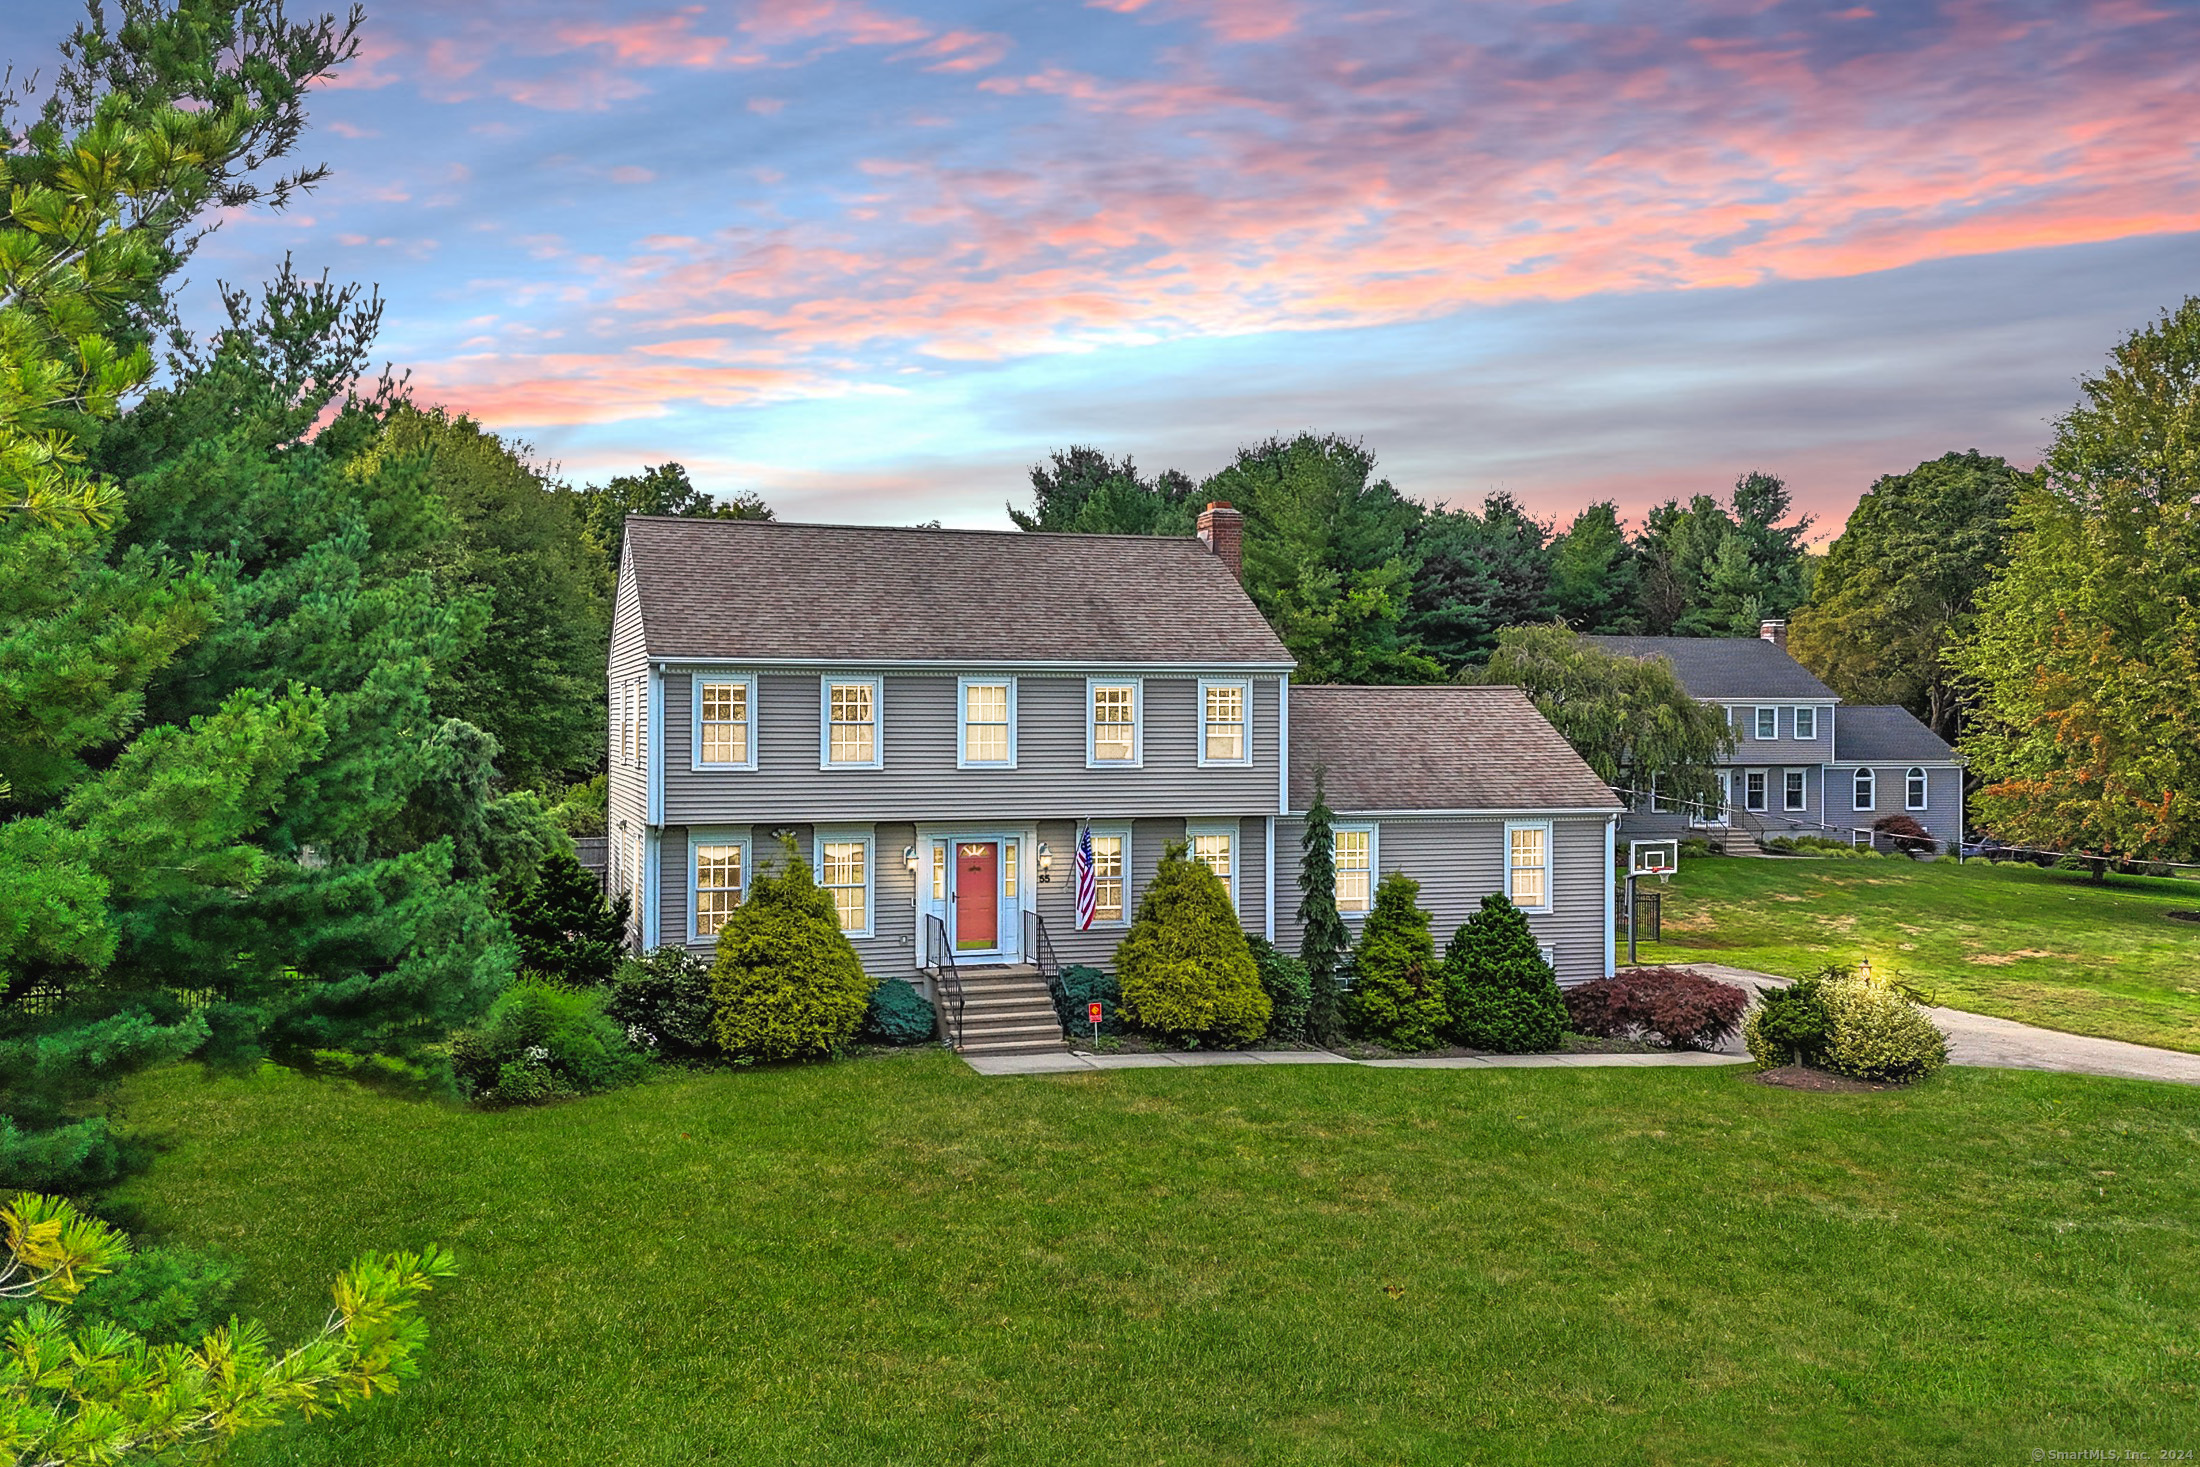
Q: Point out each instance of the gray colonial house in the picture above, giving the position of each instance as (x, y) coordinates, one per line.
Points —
(1804, 762)
(938, 718)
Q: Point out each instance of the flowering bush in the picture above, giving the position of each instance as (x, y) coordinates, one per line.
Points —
(1671, 1005)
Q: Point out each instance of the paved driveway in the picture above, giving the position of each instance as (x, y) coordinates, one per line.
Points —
(1976, 1039)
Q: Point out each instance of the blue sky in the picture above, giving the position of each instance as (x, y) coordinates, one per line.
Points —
(874, 259)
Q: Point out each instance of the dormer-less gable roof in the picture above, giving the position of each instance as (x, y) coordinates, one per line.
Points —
(763, 590)
(1729, 669)
(1886, 735)
(1451, 748)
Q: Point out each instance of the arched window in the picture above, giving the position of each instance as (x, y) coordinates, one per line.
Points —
(1914, 790)
(1865, 782)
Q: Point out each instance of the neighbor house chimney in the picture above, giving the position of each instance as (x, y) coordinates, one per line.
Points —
(1223, 528)
(1775, 632)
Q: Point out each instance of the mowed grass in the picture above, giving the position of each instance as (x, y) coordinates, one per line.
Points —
(2052, 948)
(896, 1261)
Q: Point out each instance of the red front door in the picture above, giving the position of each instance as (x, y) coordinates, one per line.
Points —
(977, 895)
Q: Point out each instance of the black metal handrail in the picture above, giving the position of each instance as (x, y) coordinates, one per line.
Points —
(1039, 949)
(946, 978)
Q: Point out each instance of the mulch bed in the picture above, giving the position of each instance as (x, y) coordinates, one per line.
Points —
(1802, 1077)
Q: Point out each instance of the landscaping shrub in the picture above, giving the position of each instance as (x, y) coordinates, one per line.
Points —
(898, 1014)
(1499, 993)
(1185, 968)
(1789, 1026)
(1816, 845)
(1695, 848)
(1673, 1006)
(564, 927)
(543, 1041)
(1907, 836)
(1397, 996)
(1076, 987)
(1290, 990)
(1874, 1031)
(787, 984)
(663, 1001)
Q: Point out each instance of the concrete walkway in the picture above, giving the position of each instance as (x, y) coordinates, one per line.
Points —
(1068, 1063)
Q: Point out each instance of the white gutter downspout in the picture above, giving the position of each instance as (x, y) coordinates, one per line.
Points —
(1611, 894)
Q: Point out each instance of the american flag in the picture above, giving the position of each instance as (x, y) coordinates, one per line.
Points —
(1088, 891)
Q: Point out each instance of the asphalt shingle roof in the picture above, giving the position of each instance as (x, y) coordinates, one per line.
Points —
(1726, 667)
(1892, 735)
(763, 589)
(1435, 748)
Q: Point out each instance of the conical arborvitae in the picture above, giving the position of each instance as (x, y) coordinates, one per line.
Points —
(1397, 996)
(1502, 995)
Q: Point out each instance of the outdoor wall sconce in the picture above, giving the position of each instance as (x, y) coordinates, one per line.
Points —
(1046, 857)
(909, 859)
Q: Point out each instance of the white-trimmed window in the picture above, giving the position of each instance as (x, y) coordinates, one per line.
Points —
(1753, 788)
(986, 723)
(1215, 846)
(939, 873)
(1794, 790)
(848, 708)
(1913, 789)
(1768, 723)
(1806, 723)
(1528, 864)
(1111, 883)
(1009, 866)
(1864, 792)
(725, 729)
(1226, 723)
(718, 868)
(1353, 849)
(844, 870)
(1113, 708)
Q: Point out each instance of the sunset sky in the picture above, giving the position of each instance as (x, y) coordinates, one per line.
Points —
(872, 260)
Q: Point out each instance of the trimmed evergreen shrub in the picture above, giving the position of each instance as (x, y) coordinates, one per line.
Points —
(1499, 993)
(1670, 1005)
(543, 1041)
(898, 1014)
(787, 984)
(565, 929)
(1290, 990)
(1078, 987)
(1324, 944)
(1397, 995)
(1789, 1026)
(1874, 1031)
(1186, 971)
(663, 1000)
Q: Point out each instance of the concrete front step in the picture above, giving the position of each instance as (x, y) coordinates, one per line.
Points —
(1007, 1010)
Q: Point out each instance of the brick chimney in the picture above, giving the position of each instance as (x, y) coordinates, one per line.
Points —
(1223, 528)
(1775, 632)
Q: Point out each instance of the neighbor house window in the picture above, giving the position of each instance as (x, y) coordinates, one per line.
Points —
(1107, 877)
(1914, 790)
(1753, 789)
(1864, 793)
(722, 723)
(1215, 847)
(718, 868)
(844, 869)
(1223, 738)
(1528, 865)
(1768, 723)
(851, 724)
(1114, 722)
(1355, 858)
(1806, 723)
(988, 723)
(1793, 793)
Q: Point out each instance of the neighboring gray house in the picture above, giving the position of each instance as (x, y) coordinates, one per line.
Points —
(934, 717)
(1804, 762)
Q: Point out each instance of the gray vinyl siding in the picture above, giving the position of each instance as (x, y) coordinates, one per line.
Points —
(627, 792)
(1460, 860)
(1751, 752)
(1942, 816)
(920, 780)
(890, 950)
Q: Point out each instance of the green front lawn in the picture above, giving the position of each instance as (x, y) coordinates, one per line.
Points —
(896, 1261)
(2052, 948)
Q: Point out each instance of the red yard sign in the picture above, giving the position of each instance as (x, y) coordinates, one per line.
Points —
(1092, 1011)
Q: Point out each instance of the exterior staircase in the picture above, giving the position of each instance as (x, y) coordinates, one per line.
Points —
(1007, 1010)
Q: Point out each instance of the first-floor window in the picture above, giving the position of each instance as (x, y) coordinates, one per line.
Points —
(1660, 801)
(1217, 851)
(1865, 793)
(1528, 865)
(1008, 869)
(717, 885)
(1107, 878)
(1793, 796)
(1355, 857)
(1753, 790)
(1914, 792)
(939, 871)
(843, 870)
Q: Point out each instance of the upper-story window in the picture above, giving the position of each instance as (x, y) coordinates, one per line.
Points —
(1528, 864)
(851, 713)
(1354, 850)
(1768, 723)
(724, 708)
(1914, 790)
(1865, 790)
(1112, 731)
(1225, 723)
(988, 718)
(1806, 723)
